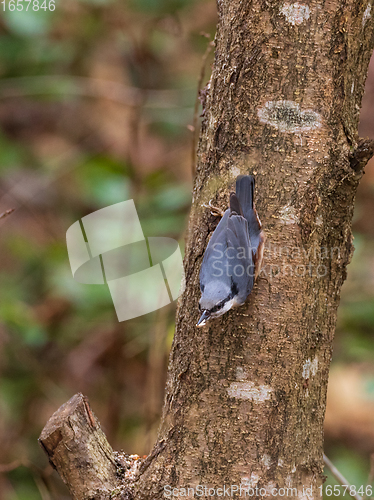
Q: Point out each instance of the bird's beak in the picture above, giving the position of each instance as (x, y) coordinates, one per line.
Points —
(203, 318)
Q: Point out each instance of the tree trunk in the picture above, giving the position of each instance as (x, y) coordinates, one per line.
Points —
(245, 396)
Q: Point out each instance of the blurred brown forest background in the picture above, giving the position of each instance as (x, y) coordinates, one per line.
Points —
(96, 106)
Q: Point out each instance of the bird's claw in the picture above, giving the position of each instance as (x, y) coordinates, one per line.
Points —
(217, 212)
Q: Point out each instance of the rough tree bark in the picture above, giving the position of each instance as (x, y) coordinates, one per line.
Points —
(245, 396)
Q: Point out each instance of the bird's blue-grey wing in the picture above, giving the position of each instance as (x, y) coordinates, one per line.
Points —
(240, 255)
(212, 267)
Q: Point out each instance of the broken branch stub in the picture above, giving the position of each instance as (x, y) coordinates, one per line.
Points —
(78, 449)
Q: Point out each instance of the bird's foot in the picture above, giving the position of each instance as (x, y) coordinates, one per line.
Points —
(217, 212)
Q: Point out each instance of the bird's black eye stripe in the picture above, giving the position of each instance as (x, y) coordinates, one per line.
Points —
(220, 305)
(234, 289)
(217, 307)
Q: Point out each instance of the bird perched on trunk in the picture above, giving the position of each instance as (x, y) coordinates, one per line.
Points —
(233, 257)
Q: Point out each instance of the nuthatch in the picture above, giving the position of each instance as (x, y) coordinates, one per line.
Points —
(233, 258)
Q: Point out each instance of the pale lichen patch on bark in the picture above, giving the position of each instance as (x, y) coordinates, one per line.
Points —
(310, 368)
(266, 460)
(250, 482)
(288, 215)
(235, 171)
(287, 116)
(248, 390)
(295, 13)
(319, 220)
(367, 14)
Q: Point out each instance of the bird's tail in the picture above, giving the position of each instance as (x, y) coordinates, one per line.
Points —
(235, 204)
(245, 187)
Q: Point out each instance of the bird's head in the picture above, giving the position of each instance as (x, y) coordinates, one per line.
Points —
(216, 299)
